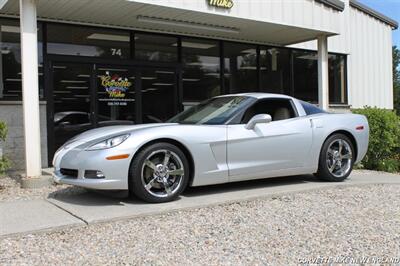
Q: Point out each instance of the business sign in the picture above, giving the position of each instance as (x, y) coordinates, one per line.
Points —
(227, 4)
(116, 88)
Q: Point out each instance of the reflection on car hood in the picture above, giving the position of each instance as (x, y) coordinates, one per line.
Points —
(104, 132)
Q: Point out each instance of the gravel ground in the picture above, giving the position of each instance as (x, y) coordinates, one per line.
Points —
(339, 222)
(10, 190)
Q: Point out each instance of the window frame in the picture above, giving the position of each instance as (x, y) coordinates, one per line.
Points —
(237, 120)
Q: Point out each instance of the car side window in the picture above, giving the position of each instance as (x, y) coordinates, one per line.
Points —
(278, 109)
(311, 109)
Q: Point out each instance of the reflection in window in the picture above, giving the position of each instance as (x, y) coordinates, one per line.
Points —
(154, 47)
(201, 70)
(158, 95)
(240, 67)
(305, 66)
(337, 79)
(87, 41)
(10, 61)
(275, 70)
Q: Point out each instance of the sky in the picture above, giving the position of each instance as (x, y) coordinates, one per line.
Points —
(391, 9)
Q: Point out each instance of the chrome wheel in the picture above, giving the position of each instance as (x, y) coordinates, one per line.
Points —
(339, 158)
(162, 173)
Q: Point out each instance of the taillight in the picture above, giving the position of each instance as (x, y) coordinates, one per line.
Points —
(360, 128)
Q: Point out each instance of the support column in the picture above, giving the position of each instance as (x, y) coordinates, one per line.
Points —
(323, 73)
(30, 87)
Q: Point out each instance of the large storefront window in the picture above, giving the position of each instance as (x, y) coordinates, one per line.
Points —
(154, 47)
(159, 97)
(10, 61)
(240, 67)
(305, 68)
(201, 70)
(87, 41)
(337, 79)
(275, 70)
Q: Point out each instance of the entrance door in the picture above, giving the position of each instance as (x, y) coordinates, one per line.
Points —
(72, 104)
(116, 96)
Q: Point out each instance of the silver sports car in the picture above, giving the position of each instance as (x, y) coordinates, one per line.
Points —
(225, 139)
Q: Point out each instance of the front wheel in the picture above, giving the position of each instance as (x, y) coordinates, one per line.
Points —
(159, 173)
(336, 158)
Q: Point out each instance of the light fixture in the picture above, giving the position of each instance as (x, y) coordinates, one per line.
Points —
(5, 51)
(195, 45)
(187, 24)
(73, 81)
(164, 72)
(62, 92)
(113, 69)
(67, 99)
(13, 80)
(59, 67)
(83, 76)
(149, 78)
(249, 51)
(248, 68)
(162, 84)
(109, 37)
(191, 80)
(203, 64)
(77, 88)
(212, 74)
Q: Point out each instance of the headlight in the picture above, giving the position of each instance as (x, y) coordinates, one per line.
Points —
(108, 143)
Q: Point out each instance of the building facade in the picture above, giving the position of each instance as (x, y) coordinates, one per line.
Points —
(103, 63)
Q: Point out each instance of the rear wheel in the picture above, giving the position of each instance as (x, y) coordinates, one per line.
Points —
(159, 173)
(336, 158)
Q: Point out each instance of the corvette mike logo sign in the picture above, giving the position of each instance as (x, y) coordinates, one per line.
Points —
(228, 4)
(116, 88)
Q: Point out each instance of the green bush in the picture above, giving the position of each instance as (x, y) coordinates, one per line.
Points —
(4, 162)
(384, 141)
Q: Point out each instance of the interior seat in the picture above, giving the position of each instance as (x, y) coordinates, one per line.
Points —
(281, 114)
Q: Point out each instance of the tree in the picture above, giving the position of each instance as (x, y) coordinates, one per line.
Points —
(396, 78)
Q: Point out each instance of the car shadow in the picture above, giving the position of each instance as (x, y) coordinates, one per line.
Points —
(85, 197)
(249, 185)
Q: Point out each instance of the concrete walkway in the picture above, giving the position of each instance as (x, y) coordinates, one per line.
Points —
(23, 217)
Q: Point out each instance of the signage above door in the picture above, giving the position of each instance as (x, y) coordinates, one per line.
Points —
(227, 4)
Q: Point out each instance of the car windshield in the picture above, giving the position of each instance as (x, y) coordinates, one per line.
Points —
(216, 111)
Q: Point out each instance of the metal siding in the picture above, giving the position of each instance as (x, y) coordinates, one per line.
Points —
(368, 43)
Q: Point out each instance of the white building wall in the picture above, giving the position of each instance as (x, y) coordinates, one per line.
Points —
(368, 43)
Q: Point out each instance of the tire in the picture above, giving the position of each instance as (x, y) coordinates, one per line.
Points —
(155, 179)
(335, 163)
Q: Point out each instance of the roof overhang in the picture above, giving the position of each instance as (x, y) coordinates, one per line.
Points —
(394, 24)
(140, 15)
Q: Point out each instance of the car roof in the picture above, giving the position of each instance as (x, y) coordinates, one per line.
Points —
(260, 95)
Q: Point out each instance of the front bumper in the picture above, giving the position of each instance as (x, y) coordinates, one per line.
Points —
(79, 160)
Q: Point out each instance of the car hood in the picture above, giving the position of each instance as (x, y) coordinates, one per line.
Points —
(109, 131)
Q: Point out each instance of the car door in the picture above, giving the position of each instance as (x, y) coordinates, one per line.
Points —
(269, 148)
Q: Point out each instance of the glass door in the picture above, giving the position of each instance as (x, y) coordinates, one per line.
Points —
(72, 107)
(115, 94)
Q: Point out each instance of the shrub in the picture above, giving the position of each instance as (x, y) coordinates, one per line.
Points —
(384, 140)
(4, 162)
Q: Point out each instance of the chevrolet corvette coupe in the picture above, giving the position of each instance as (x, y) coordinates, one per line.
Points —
(225, 139)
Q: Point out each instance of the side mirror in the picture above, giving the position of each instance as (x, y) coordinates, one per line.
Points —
(258, 119)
